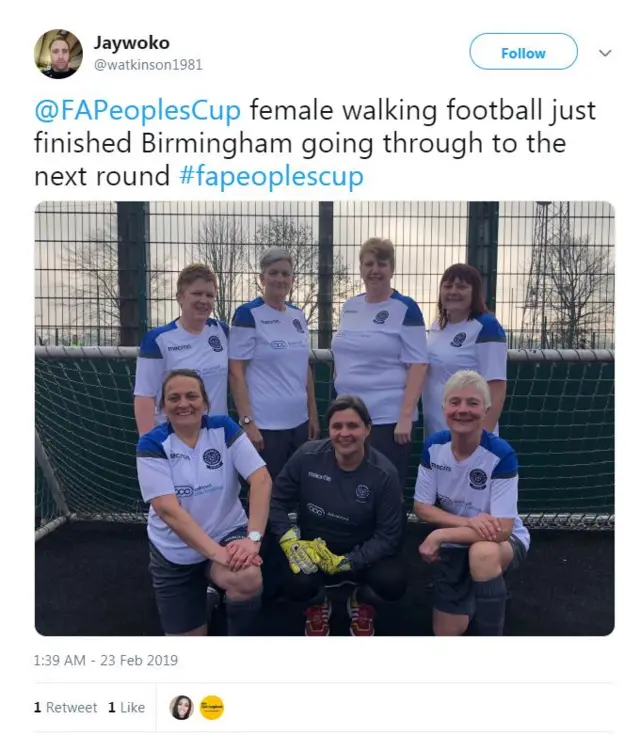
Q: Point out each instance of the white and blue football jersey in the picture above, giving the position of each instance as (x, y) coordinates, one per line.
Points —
(276, 346)
(373, 347)
(204, 479)
(485, 482)
(171, 347)
(477, 344)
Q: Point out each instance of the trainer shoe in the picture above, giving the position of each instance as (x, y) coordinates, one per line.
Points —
(317, 622)
(361, 615)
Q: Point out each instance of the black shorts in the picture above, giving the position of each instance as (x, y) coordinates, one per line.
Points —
(181, 589)
(280, 444)
(453, 586)
(382, 438)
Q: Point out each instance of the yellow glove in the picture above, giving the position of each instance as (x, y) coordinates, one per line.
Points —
(296, 553)
(327, 561)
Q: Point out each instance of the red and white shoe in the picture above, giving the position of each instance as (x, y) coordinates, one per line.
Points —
(317, 622)
(362, 617)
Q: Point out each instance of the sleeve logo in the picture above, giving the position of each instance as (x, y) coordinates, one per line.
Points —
(212, 459)
(215, 343)
(478, 479)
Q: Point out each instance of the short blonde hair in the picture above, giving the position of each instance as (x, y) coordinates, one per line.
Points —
(379, 248)
(194, 272)
(467, 379)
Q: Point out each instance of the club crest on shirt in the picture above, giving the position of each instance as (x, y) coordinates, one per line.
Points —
(362, 493)
(381, 317)
(458, 340)
(298, 326)
(478, 479)
(215, 343)
(212, 459)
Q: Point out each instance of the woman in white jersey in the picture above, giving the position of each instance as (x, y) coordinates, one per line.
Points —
(380, 354)
(193, 341)
(269, 373)
(468, 486)
(465, 336)
(198, 530)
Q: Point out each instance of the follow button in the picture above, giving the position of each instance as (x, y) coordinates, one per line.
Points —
(513, 51)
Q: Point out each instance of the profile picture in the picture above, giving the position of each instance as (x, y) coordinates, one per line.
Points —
(58, 54)
(181, 707)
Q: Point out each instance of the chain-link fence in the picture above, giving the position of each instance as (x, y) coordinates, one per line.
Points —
(106, 271)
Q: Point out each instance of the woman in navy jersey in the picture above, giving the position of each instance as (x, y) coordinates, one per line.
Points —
(465, 336)
(269, 373)
(350, 520)
(193, 341)
(380, 354)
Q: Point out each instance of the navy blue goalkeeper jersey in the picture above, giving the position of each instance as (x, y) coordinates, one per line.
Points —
(358, 513)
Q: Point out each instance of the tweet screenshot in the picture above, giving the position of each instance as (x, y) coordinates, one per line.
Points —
(321, 344)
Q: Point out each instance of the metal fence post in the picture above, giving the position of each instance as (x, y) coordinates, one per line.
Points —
(482, 245)
(133, 244)
(325, 274)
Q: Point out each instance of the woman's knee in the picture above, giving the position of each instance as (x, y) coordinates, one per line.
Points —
(447, 624)
(484, 560)
(244, 583)
(388, 580)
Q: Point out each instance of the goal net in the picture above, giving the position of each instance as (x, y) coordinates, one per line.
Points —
(559, 417)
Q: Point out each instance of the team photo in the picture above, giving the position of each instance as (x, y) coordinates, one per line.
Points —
(333, 418)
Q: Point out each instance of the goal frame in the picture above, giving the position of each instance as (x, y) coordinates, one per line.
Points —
(553, 520)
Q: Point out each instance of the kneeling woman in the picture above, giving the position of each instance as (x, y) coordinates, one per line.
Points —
(350, 516)
(468, 486)
(198, 530)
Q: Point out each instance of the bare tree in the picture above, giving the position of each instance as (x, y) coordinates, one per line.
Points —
(577, 291)
(297, 237)
(90, 292)
(222, 246)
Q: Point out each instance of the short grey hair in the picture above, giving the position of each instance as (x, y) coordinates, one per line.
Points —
(467, 379)
(273, 255)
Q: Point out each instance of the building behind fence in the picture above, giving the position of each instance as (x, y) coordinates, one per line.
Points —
(106, 272)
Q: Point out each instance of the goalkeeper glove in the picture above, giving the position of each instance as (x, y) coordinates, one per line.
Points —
(295, 551)
(329, 563)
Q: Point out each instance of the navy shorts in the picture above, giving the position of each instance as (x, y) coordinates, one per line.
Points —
(181, 589)
(280, 444)
(453, 586)
(382, 438)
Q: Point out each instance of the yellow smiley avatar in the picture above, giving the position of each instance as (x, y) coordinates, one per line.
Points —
(211, 707)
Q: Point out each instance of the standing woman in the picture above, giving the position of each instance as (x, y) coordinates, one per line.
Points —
(465, 336)
(380, 354)
(269, 373)
(193, 341)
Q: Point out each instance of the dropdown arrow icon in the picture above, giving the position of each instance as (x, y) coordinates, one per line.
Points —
(605, 53)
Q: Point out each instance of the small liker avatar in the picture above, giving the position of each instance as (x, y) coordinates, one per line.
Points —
(181, 708)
